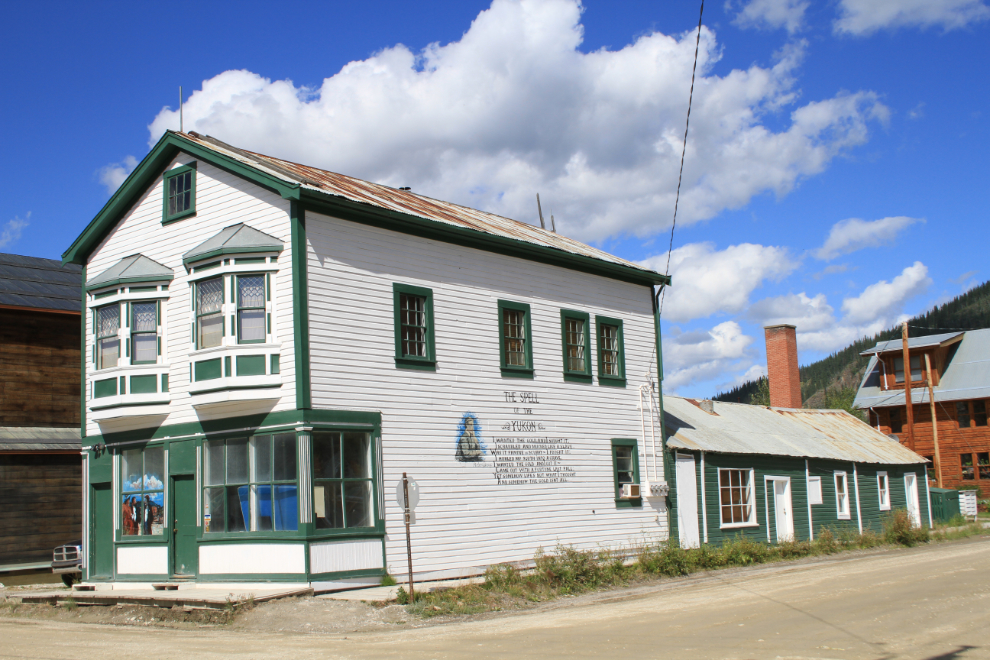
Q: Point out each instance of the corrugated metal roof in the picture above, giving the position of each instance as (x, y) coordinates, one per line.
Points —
(42, 284)
(408, 202)
(232, 239)
(737, 428)
(38, 438)
(967, 376)
(915, 342)
(135, 268)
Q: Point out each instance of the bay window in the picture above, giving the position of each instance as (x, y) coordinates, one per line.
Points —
(107, 336)
(251, 484)
(209, 313)
(343, 485)
(144, 332)
(251, 309)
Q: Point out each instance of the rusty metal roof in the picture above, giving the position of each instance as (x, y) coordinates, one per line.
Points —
(408, 202)
(737, 428)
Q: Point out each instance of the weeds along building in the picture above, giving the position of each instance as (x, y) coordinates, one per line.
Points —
(269, 347)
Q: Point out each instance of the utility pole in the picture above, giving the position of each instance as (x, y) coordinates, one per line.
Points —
(908, 403)
(931, 400)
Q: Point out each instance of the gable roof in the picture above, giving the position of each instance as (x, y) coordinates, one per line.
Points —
(966, 376)
(132, 269)
(42, 284)
(235, 239)
(737, 428)
(361, 201)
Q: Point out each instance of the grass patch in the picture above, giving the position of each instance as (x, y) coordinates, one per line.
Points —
(566, 571)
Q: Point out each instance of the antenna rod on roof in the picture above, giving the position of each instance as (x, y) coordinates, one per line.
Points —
(539, 208)
(553, 225)
(180, 109)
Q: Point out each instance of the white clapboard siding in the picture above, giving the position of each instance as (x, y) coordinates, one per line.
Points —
(222, 199)
(465, 519)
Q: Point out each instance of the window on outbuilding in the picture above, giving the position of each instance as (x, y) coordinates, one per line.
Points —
(883, 488)
(966, 461)
(251, 484)
(611, 353)
(179, 193)
(575, 345)
(962, 414)
(814, 490)
(343, 482)
(896, 420)
(209, 313)
(515, 339)
(899, 369)
(841, 495)
(107, 336)
(142, 492)
(415, 339)
(736, 497)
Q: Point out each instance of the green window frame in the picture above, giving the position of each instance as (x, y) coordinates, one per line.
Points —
(611, 351)
(251, 484)
(145, 323)
(515, 339)
(625, 470)
(251, 294)
(575, 339)
(142, 491)
(108, 344)
(178, 193)
(415, 340)
(209, 301)
(345, 492)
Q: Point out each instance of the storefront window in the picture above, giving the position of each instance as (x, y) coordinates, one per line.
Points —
(142, 492)
(250, 484)
(342, 480)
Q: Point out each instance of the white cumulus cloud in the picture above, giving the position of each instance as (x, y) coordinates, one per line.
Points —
(113, 175)
(774, 14)
(706, 280)
(864, 17)
(514, 108)
(854, 234)
(12, 230)
(883, 299)
(703, 355)
(805, 313)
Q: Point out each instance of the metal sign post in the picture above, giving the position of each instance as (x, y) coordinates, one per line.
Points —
(407, 495)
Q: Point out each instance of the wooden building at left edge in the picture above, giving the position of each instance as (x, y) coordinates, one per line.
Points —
(40, 462)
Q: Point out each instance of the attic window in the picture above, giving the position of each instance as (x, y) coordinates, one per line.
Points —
(899, 369)
(179, 193)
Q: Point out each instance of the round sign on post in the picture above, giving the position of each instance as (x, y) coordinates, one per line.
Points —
(413, 494)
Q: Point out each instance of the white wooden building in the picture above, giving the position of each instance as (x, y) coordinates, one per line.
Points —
(269, 346)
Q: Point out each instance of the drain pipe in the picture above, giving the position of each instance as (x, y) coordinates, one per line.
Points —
(670, 495)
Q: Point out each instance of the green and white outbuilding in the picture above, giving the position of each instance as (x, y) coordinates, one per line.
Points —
(267, 348)
(777, 474)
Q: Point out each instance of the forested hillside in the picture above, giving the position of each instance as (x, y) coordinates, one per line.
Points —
(832, 382)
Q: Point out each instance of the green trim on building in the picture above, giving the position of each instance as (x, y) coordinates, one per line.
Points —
(104, 388)
(300, 306)
(576, 375)
(250, 365)
(144, 384)
(83, 318)
(402, 360)
(207, 369)
(511, 370)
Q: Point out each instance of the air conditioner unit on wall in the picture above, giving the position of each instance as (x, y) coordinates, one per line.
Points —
(630, 491)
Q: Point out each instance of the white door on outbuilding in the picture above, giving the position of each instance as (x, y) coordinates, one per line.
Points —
(911, 493)
(687, 501)
(783, 512)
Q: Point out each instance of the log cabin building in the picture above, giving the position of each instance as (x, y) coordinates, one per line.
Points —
(960, 379)
(40, 462)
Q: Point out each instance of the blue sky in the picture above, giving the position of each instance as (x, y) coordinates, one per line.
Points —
(836, 172)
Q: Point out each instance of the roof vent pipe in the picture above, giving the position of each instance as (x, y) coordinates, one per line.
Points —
(707, 405)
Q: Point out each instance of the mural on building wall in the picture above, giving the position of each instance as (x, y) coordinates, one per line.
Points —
(470, 448)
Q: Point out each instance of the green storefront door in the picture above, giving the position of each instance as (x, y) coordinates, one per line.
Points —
(185, 552)
(101, 532)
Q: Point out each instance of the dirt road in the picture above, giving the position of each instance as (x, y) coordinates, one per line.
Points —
(931, 602)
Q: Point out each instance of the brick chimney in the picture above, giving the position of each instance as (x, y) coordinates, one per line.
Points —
(782, 366)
